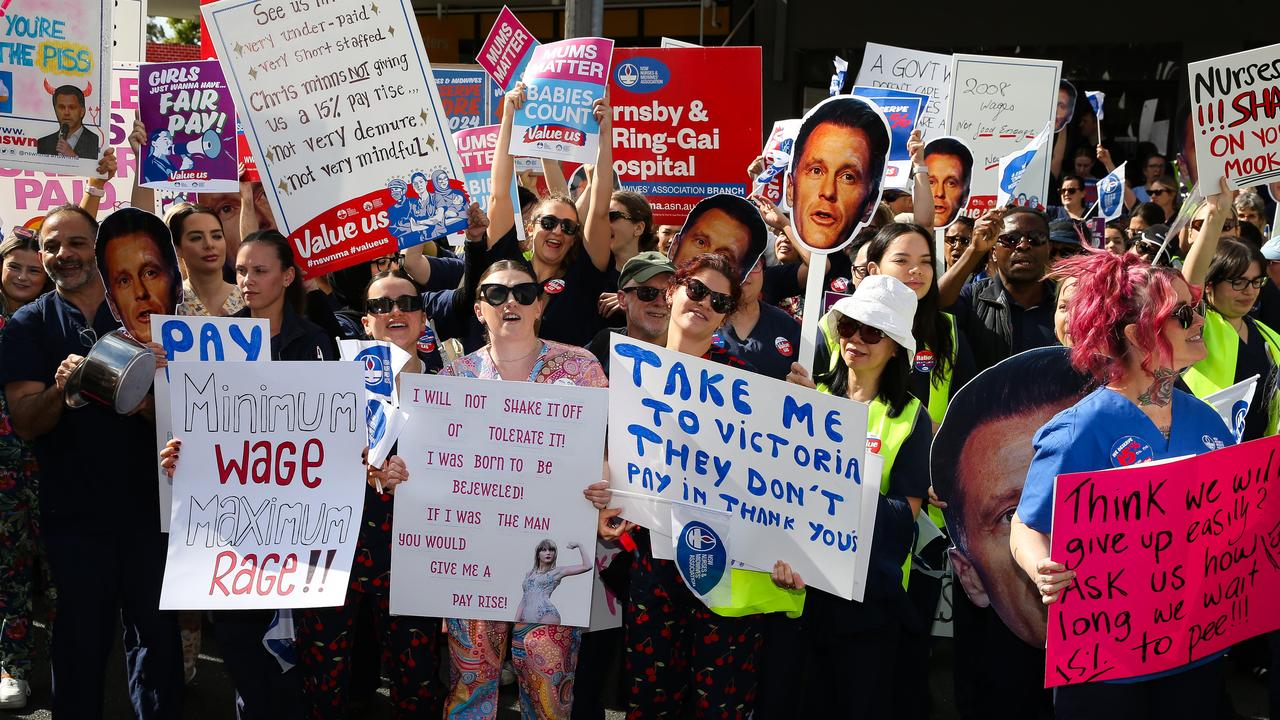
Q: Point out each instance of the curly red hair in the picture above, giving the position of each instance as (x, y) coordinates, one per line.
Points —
(1112, 292)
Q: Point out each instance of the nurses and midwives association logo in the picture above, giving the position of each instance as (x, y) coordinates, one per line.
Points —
(701, 557)
(642, 75)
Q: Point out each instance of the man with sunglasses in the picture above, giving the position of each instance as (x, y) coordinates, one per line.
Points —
(1012, 310)
(642, 295)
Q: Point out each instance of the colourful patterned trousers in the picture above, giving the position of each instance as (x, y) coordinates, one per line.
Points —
(544, 657)
(20, 548)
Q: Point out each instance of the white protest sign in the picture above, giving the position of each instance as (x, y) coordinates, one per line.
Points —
(55, 84)
(785, 461)
(492, 524)
(26, 195)
(1234, 102)
(340, 107)
(998, 105)
(269, 492)
(927, 73)
(203, 339)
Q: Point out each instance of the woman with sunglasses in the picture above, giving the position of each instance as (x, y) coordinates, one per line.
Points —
(851, 649)
(328, 640)
(1072, 196)
(22, 279)
(571, 260)
(1164, 193)
(630, 233)
(1134, 327)
(509, 304)
(202, 248)
(681, 656)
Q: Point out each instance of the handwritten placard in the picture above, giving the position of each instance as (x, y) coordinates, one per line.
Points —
(341, 110)
(492, 524)
(563, 80)
(1175, 561)
(1234, 102)
(926, 73)
(269, 492)
(191, 127)
(786, 461)
(997, 106)
(200, 339)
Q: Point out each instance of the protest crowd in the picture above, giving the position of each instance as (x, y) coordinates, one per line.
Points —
(997, 341)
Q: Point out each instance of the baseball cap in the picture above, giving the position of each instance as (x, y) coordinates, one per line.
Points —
(886, 304)
(1064, 231)
(644, 266)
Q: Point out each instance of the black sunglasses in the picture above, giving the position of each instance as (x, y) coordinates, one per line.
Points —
(847, 327)
(1184, 314)
(383, 305)
(549, 222)
(1227, 225)
(525, 293)
(1240, 283)
(1157, 192)
(1071, 190)
(23, 232)
(697, 291)
(644, 293)
(1012, 240)
(615, 215)
(959, 240)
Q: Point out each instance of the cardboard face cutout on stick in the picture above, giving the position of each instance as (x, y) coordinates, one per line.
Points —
(978, 465)
(837, 171)
(1066, 107)
(139, 269)
(950, 164)
(724, 224)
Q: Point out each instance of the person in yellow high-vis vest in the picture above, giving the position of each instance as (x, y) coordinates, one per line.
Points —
(850, 648)
(1238, 345)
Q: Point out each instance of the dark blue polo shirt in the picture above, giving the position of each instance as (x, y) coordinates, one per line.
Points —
(97, 468)
(774, 343)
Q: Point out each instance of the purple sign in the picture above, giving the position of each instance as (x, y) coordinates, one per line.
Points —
(191, 128)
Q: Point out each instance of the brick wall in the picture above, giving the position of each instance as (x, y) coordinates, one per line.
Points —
(168, 52)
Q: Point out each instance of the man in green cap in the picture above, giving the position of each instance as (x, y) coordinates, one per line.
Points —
(642, 295)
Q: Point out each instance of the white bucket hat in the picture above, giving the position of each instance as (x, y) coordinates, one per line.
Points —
(886, 304)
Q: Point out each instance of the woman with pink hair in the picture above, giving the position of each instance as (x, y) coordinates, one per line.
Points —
(1134, 327)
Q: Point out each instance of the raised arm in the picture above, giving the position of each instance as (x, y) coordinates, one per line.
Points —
(95, 188)
(1104, 157)
(985, 232)
(1196, 265)
(553, 175)
(601, 190)
(142, 198)
(502, 214)
(577, 569)
(921, 193)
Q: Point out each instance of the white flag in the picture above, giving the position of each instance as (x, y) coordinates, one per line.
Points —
(1013, 167)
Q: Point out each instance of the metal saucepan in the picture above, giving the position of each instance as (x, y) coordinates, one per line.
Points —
(117, 372)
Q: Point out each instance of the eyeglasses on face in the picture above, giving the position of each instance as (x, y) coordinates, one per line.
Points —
(859, 271)
(383, 305)
(616, 215)
(549, 222)
(1071, 190)
(847, 327)
(1014, 239)
(1240, 283)
(525, 293)
(384, 263)
(1157, 192)
(645, 293)
(698, 291)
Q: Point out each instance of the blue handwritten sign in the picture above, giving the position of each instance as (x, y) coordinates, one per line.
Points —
(786, 462)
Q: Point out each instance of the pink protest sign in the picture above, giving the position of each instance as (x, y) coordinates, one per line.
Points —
(507, 49)
(1175, 561)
